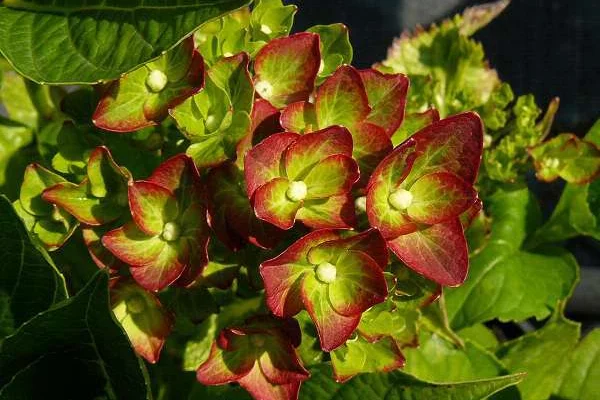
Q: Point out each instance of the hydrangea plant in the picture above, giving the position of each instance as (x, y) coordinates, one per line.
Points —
(235, 200)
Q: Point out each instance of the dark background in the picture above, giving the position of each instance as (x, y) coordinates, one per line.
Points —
(545, 47)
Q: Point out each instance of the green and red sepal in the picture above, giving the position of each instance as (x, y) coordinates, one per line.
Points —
(438, 252)
(166, 240)
(334, 278)
(142, 98)
(259, 355)
(343, 100)
(264, 123)
(286, 68)
(102, 195)
(51, 225)
(142, 316)
(218, 118)
(299, 117)
(231, 215)
(417, 193)
(308, 177)
(358, 356)
(387, 98)
(92, 237)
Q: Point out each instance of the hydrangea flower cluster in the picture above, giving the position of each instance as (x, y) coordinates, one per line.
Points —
(284, 146)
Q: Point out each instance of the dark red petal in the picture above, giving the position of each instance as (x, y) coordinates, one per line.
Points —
(438, 252)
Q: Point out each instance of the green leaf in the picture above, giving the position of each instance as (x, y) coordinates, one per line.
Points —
(542, 354)
(335, 47)
(399, 386)
(481, 335)
(15, 97)
(77, 341)
(96, 38)
(13, 137)
(522, 283)
(29, 281)
(437, 360)
(582, 379)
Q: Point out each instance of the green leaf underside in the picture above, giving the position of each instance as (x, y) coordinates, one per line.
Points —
(505, 281)
(78, 340)
(29, 281)
(129, 34)
(398, 386)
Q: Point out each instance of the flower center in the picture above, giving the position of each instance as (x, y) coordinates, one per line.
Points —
(264, 88)
(326, 272)
(156, 80)
(360, 204)
(257, 340)
(296, 191)
(400, 199)
(551, 163)
(171, 231)
(487, 141)
(265, 29)
(135, 304)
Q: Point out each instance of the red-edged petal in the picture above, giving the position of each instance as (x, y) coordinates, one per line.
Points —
(282, 288)
(146, 322)
(263, 162)
(298, 251)
(264, 123)
(342, 99)
(333, 212)
(165, 269)
(232, 217)
(195, 233)
(279, 363)
(151, 206)
(92, 237)
(438, 197)
(286, 68)
(309, 149)
(359, 284)
(272, 205)
(386, 178)
(76, 200)
(387, 98)
(155, 263)
(371, 145)
(333, 329)
(438, 252)
(259, 387)
(176, 173)
(453, 144)
(224, 366)
(283, 274)
(413, 123)
(299, 117)
(332, 176)
(369, 242)
(467, 218)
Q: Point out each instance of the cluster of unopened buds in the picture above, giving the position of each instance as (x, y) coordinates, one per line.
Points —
(278, 149)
